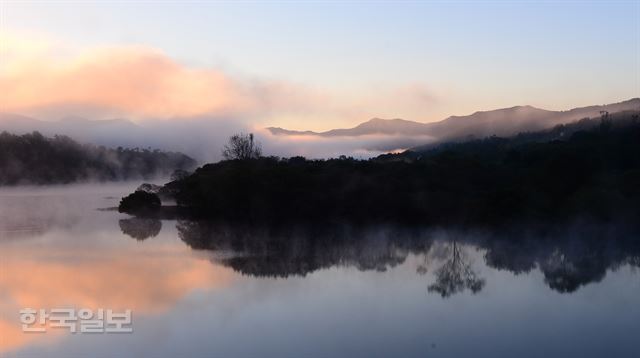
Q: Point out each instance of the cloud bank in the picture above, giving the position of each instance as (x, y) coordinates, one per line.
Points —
(136, 82)
(187, 108)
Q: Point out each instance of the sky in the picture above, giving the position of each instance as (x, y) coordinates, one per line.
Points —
(313, 65)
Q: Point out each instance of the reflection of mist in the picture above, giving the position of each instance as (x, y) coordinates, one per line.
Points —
(207, 135)
(28, 212)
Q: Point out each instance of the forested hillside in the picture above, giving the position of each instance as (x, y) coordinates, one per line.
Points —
(36, 159)
(591, 173)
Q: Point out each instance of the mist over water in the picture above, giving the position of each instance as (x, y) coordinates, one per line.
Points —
(203, 138)
(198, 289)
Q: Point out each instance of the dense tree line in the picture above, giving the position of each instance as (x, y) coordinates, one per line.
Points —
(592, 173)
(559, 132)
(36, 159)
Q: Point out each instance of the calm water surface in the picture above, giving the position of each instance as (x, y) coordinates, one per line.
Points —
(223, 290)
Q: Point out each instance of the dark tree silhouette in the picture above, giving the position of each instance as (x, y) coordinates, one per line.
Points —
(605, 121)
(179, 174)
(242, 146)
(140, 203)
(549, 177)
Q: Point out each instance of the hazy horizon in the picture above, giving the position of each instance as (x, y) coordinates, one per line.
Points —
(291, 66)
(203, 138)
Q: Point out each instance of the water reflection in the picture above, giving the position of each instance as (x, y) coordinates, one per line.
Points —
(203, 288)
(297, 250)
(140, 228)
(566, 260)
(67, 257)
(28, 216)
(456, 275)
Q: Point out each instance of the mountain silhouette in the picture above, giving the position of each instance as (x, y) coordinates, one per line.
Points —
(75, 127)
(500, 122)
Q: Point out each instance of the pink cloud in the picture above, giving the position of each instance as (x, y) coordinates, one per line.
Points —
(46, 80)
(134, 81)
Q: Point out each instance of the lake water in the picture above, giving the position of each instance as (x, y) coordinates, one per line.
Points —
(217, 289)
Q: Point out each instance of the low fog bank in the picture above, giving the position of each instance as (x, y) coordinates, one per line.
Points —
(76, 189)
(32, 211)
(202, 138)
(315, 147)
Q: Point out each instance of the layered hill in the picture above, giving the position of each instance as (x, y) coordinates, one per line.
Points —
(500, 122)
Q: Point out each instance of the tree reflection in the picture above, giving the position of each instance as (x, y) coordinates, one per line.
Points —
(515, 256)
(281, 251)
(455, 276)
(567, 259)
(566, 271)
(139, 228)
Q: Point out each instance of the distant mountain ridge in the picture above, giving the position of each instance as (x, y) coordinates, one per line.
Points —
(374, 137)
(372, 126)
(107, 132)
(20, 124)
(501, 122)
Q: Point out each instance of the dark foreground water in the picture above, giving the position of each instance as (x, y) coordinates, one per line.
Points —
(225, 290)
